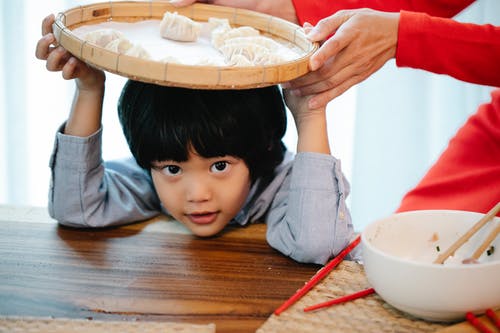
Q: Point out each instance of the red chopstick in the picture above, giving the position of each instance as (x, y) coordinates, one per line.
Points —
(493, 317)
(342, 299)
(476, 323)
(318, 276)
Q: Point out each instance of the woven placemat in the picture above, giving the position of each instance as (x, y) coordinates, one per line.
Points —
(51, 325)
(368, 314)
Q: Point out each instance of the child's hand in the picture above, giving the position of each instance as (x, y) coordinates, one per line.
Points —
(311, 124)
(298, 106)
(58, 59)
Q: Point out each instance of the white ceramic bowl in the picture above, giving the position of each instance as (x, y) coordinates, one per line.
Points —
(398, 252)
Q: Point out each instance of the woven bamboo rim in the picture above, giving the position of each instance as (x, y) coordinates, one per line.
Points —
(172, 74)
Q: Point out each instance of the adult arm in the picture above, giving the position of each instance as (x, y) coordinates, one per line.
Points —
(472, 54)
(313, 11)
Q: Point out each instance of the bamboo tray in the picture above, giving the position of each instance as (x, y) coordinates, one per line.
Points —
(174, 74)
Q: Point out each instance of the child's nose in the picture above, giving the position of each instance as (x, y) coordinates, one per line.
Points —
(198, 191)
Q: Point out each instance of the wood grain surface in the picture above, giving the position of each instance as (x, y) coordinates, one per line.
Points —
(143, 272)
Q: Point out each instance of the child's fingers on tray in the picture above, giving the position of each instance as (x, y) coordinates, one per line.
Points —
(43, 46)
(70, 69)
(56, 59)
(47, 24)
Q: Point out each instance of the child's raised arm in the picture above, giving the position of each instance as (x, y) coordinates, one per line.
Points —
(308, 219)
(311, 124)
(86, 111)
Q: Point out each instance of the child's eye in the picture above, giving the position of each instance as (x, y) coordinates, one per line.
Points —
(219, 166)
(171, 170)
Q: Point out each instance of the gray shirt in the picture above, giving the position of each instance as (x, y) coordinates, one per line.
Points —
(303, 204)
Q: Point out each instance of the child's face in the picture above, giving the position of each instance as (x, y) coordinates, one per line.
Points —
(202, 193)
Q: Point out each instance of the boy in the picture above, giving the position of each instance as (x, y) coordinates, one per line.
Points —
(206, 157)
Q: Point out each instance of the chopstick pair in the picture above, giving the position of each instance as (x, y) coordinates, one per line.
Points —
(318, 276)
(481, 327)
(475, 228)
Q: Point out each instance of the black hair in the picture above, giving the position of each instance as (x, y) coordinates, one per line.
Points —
(163, 123)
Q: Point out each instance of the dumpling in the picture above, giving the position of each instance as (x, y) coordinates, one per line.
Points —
(138, 51)
(268, 59)
(238, 60)
(115, 41)
(254, 54)
(219, 37)
(259, 50)
(178, 27)
(103, 37)
(218, 24)
(249, 51)
(266, 42)
(120, 45)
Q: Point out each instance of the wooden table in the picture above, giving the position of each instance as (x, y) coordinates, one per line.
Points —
(153, 270)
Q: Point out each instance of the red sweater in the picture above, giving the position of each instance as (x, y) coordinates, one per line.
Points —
(467, 174)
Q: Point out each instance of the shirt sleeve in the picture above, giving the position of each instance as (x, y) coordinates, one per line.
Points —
(86, 192)
(314, 10)
(471, 53)
(308, 219)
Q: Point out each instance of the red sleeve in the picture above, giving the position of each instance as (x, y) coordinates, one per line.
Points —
(313, 10)
(467, 175)
(468, 52)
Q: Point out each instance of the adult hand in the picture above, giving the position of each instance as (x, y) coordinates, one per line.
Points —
(279, 8)
(362, 42)
(58, 59)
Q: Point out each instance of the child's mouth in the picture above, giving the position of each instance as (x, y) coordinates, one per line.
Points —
(202, 218)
